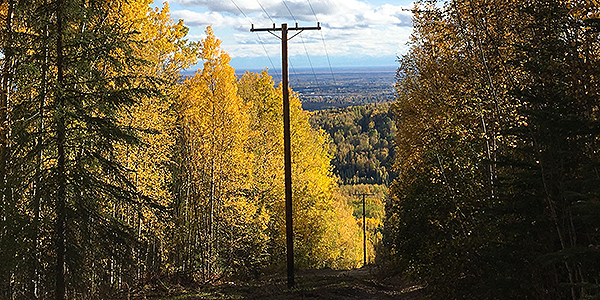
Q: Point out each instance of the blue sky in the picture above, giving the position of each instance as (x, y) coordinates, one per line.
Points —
(354, 32)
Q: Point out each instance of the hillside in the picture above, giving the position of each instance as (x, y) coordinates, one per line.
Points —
(362, 139)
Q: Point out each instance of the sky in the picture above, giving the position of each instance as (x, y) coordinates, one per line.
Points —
(354, 32)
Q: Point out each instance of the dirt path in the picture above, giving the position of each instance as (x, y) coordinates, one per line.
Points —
(361, 284)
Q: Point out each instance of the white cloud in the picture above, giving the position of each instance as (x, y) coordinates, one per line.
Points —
(358, 42)
(247, 6)
(332, 13)
(204, 19)
(349, 27)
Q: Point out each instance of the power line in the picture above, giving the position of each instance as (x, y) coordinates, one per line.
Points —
(328, 60)
(294, 72)
(304, 45)
(288, 9)
(241, 11)
(310, 63)
(312, 9)
(263, 9)
(259, 39)
(324, 46)
(267, 53)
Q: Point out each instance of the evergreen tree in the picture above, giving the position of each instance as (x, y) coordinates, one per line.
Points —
(495, 177)
(64, 130)
(362, 140)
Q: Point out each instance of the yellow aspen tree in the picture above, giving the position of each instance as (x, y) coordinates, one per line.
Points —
(215, 132)
(266, 144)
(326, 234)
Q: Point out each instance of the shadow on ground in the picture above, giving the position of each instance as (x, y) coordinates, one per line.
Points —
(364, 284)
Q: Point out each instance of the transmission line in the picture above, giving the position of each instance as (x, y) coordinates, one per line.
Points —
(267, 53)
(288, 9)
(303, 44)
(258, 36)
(305, 50)
(310, 63)
(294, 72)
(241, 10)
(264, 10)
(259, 39)
(324, 46)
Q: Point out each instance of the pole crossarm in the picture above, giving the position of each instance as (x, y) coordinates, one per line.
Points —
(275, 29)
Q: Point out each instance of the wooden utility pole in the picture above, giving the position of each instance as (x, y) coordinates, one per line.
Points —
(286, 138)
(364, 226)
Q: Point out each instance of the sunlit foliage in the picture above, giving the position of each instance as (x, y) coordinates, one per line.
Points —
(117, 175)
(497, 187)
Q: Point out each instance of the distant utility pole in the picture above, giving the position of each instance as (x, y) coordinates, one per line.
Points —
(286, 138)
(364, 226)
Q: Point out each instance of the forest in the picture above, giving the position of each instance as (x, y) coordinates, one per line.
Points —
(498, 130)
(117, 176)
(121, 179)
(362, 139)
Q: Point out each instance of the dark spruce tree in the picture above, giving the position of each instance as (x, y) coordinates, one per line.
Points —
(557, 170)
(94, 81)
(21, 92)
(68, 71)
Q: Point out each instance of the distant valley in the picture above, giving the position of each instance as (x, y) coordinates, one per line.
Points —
(341, 86)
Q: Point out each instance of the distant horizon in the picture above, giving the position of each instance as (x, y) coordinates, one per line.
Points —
(305, 70)
(353, 32)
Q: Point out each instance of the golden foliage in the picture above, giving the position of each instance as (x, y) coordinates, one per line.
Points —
(325, 232)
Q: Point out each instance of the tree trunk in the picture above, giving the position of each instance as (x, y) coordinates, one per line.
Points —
(5, 282)
(4, 104)
(61, 161)
(38, 172)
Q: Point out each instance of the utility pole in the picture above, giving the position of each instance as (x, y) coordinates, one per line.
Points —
(364, 226)
(286, 138)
